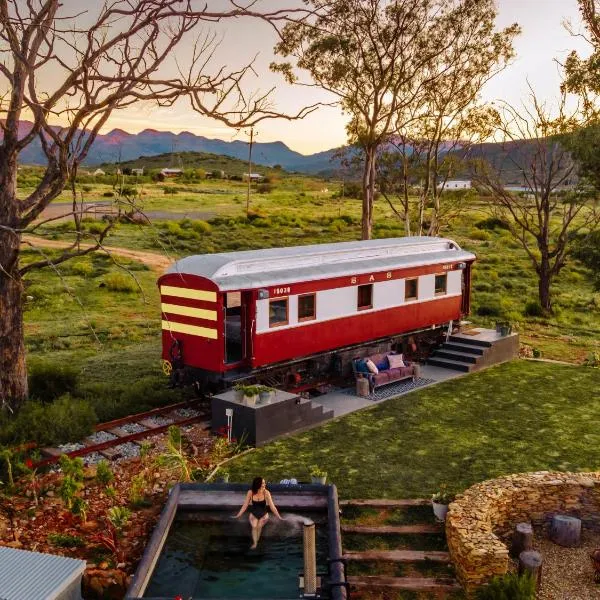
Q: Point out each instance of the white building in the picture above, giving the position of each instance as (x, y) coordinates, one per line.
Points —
(253, 176)
(456, 184)
(137, 171)
(171, 172)
(98, 172)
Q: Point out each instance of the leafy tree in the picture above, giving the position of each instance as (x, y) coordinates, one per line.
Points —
(381, 59)
(75, 68)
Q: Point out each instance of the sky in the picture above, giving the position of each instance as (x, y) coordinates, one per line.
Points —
(543, 41)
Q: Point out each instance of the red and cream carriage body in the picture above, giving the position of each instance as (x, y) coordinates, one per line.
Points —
(240, 312)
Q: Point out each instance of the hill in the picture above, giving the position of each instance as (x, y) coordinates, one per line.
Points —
(121, 146)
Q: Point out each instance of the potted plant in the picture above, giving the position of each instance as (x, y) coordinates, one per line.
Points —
(251, 394)
(440, 501)
(238, 388)
(265, 394)
(222, 476)
(317, 475)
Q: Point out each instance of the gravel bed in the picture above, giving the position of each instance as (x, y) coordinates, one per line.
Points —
(568, 573)
(185, 413)
(158, 421)
(128, 450)
(101, 436)
(93, 459)
(65, 448)
(132, 427)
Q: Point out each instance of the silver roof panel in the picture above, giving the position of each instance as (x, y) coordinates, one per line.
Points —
(28, 575)
(276, 266)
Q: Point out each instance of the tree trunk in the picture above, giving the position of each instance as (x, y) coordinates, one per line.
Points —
(544, 282)
(368, 184)
(13, 372)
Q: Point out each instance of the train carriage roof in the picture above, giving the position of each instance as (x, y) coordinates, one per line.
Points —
(276, 266)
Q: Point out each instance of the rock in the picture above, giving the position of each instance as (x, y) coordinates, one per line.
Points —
(50, 494)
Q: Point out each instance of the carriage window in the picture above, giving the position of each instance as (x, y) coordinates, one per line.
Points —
(365, 296)
(440, 284)
(411, 289)
(307, 307)
(278, 312)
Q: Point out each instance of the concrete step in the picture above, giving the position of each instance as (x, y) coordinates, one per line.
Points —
(468, 348)
(399, 556)
(394, 529)
(470, 340)
(458, 356)
(414, 584)
(450, 364)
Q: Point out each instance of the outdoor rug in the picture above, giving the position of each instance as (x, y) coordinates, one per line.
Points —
(393, 389)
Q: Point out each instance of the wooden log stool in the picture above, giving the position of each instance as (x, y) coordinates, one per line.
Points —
(565, 531)
(530, 562)
(595, 556)
(362, 387)
(522, 539)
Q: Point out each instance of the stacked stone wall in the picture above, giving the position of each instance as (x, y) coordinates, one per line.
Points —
(481, 520)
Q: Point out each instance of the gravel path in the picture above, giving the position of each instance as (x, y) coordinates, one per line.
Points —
(567, 573)
(132, 427)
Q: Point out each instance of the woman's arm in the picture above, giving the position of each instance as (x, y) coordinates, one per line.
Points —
(245, 505)
(272, 505)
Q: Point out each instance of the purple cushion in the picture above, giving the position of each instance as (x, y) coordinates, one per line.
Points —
(383, 364)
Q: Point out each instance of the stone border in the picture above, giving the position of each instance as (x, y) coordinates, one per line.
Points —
(488, 511)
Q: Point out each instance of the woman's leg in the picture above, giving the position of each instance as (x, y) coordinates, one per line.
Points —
(260, 525)
(255, 532)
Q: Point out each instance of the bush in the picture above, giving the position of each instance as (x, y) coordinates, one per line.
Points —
(120, 282)
(170, 191)
(65, 540)
(264, 188)
(65, 420)
(48, 381)
(96, 228)
(201, 226)
(83, 269)
(488, 305)
(508, 587)
(533, 308)
(479, 234)
(491, 223)
(108, 194)
(104, 474)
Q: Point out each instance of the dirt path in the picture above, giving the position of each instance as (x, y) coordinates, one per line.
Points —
(158, 262)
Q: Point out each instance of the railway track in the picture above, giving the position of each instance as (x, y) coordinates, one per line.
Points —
(111, 439)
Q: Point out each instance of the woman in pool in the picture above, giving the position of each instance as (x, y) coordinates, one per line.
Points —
(258, 502)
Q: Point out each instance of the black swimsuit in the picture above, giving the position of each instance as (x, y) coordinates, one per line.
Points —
(258, 508)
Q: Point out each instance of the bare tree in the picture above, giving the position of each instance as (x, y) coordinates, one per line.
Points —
(546, 216)
(379, 58)
(68, 72)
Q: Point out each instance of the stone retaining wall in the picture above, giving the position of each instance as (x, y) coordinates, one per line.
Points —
(487, 512)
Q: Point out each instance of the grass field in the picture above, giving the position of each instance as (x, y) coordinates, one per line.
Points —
(516, 417)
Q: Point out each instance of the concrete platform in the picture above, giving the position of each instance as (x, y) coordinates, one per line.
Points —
(342, 404)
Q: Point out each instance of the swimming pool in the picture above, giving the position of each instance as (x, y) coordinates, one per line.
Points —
(199, 551)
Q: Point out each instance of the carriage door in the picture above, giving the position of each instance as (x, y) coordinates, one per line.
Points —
(466, 290)
(236, 308)
(234, 327)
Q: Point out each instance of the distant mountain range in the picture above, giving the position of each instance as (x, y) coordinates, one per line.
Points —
(118, 145)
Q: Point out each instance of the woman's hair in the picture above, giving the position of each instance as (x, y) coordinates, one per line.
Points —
(256, 483)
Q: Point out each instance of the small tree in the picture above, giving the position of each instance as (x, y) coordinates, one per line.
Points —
(547, 217)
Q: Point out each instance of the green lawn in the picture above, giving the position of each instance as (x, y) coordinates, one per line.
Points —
(516, 417)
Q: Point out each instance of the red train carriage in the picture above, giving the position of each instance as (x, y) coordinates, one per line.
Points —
(233, 315)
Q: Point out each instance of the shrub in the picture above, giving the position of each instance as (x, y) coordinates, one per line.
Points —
(508, 587)
(65, 540)
(108, 194)
(120, 282)
(479, 234)
(491, 223)
(489, 305)
(96, 228)
(264, 188)
(48, 381)
(65, 420)
(533, 308)
(170, 191)
(83, 269)
(201, 226)
(104, 474)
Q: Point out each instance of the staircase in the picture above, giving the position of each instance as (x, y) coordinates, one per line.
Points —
(401, 549)
(474, 350)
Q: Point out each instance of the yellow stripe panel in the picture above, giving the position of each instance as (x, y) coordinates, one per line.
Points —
(190, 329)
(187, 311)
(169, 290)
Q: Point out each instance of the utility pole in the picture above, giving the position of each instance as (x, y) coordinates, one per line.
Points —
(249, 171)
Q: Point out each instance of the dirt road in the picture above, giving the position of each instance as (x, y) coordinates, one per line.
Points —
(158, 262)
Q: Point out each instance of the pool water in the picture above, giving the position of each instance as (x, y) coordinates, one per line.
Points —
(208, 559)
